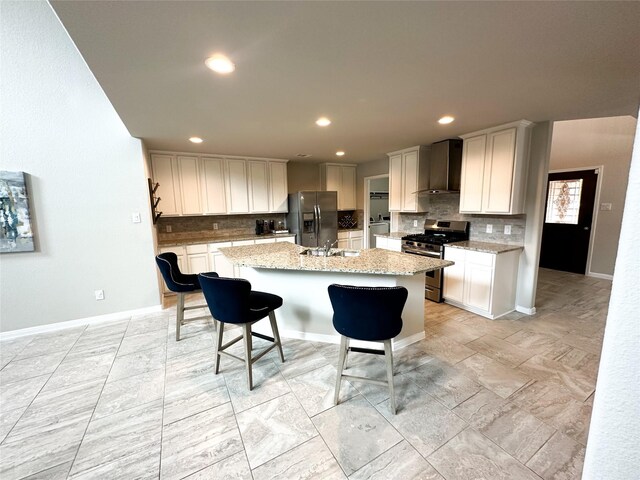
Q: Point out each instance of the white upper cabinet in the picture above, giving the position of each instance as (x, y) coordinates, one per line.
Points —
(494, 169)
(165, 173)
(237, 186)
(219, 185)
(278, 187)
(212, 186)
(188, 167)
(340, 178)
(408, 173)
(258, 186)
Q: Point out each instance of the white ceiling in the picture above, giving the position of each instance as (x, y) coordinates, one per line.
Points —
(384, 72)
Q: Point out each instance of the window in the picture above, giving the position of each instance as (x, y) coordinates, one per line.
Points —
(563, 202)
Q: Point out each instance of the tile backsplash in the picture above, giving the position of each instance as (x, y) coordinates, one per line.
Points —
(202, 226)
(445, 207)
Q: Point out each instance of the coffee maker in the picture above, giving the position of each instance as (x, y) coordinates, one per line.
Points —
(259, 227)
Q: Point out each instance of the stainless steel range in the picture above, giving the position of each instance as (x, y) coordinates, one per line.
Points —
(431, 243)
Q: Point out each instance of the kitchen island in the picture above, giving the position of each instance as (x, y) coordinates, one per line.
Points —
(302, 281)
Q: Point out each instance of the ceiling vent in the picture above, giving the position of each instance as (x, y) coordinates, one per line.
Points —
(303, 155)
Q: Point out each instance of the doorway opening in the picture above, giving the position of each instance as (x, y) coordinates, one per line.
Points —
(567, 233)
(376, 208)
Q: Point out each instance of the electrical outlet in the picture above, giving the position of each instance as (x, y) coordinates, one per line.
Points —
(489, 228)
(415, 223)
(507, 229)
(605, 206)
(135, 217)
(99, 294)
(168, 228)
(215, 226)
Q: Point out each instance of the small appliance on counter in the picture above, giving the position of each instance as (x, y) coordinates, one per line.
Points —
(259, 227)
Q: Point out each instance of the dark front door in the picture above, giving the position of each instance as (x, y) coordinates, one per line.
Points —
(567, 220)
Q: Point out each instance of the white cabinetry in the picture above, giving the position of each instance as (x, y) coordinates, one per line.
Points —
(165, 173)
(408, 173)
(197, 259)
(212, 186)
(278, 189)
(483, 283)
(342, 179)
(494, 169)
(387, 243)
(352, 239)
(217, 185)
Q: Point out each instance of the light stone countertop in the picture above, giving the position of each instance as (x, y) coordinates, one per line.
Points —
(393, 235)
(485, 247)
(286, 256)
(202, 240)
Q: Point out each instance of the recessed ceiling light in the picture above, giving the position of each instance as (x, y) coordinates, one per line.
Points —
(196, 140)
(446, 119)
(340, 153)
(220, 64)
(323, 122)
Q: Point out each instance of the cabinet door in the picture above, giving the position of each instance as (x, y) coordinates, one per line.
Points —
(189, 184)
(347, 192)
(237, 187)
(343, 243)
(381, 242)
(395, 183)
(453, 288)
(165, 173)
(213, 188)
(197, 263)
(478, 283)
(394, 244)
(409, 181)
(258, 186)
(356, 243)
(473, 155)
(278, 187)
(221, 265)
(332, 179)
(499, 165)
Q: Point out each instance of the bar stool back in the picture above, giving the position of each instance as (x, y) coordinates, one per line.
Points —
(367, 313)
(231, 300)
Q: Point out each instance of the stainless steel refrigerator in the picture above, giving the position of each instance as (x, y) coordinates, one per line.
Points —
(313, 217)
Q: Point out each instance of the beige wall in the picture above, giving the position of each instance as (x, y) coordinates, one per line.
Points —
(303, 175)
(368, 169)
(592, 142)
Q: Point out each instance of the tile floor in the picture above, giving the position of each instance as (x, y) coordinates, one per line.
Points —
(503, 399)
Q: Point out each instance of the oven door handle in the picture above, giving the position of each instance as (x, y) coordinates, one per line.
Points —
(421, 253)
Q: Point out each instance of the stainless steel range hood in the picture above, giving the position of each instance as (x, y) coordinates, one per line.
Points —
(445, 168)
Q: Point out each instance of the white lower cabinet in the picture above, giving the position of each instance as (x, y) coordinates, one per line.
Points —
(218, 262)
(480, 282)
(197, 259)
(386, 243)
(290, 239)
(352, 240)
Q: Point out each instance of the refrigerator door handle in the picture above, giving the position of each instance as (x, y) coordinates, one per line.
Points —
(316, 220)
(319, 224)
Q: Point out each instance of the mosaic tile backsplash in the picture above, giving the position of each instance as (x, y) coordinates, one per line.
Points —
(445, 207)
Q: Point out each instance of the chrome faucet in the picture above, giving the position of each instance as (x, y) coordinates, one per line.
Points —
(327, 247)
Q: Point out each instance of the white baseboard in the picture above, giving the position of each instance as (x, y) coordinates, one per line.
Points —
(528, 311)
(335, 339)
(603, 276)
(52, 327)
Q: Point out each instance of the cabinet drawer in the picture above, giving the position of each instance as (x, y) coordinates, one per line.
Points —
(343, 235)
(356, 234)
(213, 247)
(196, 249)
(265, 240)
(242, 242)
(481, 258)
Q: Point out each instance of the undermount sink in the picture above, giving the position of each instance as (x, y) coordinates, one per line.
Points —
(321, 252)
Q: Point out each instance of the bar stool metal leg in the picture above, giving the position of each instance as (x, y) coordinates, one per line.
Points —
(276, 334)
(344, 346)
(246, 333)
(179, 314)
(388, 356)
(218, 343)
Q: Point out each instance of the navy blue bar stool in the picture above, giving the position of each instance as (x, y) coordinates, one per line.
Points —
(231, 300)
(179, 283)
(372, 314)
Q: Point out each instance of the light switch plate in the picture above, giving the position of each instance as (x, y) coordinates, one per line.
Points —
(507, 229)
(489, 228)
(99, 294)
(135, 217)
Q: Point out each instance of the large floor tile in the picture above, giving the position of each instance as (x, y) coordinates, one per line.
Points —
(493, 375)
(141, 465)
(268, 383)
(82, 369)
(138, 362)
(130, 392)
(146, 324)
(355, 433)
(143, 341)
(202, 341)
(300, 357)
(235, 467)
(444, 382)
(559, 459)
(471, 456)
(401, 462)
(8, 419)
(421, 419)
(446, 349)
(191, 444)
(311, 460)
(59, 472)
(49, 343)
(315, 390)
(19, 370)
(20, 393)
(273, 428)
(500, 350)
(119, 435)
(482, 403)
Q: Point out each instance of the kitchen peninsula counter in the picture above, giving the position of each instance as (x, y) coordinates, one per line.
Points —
(302, 282)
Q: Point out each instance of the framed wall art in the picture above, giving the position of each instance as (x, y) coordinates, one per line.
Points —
(15, 222)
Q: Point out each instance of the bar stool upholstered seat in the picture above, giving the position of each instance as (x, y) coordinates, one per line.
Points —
(231, 300)
(371, 314)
